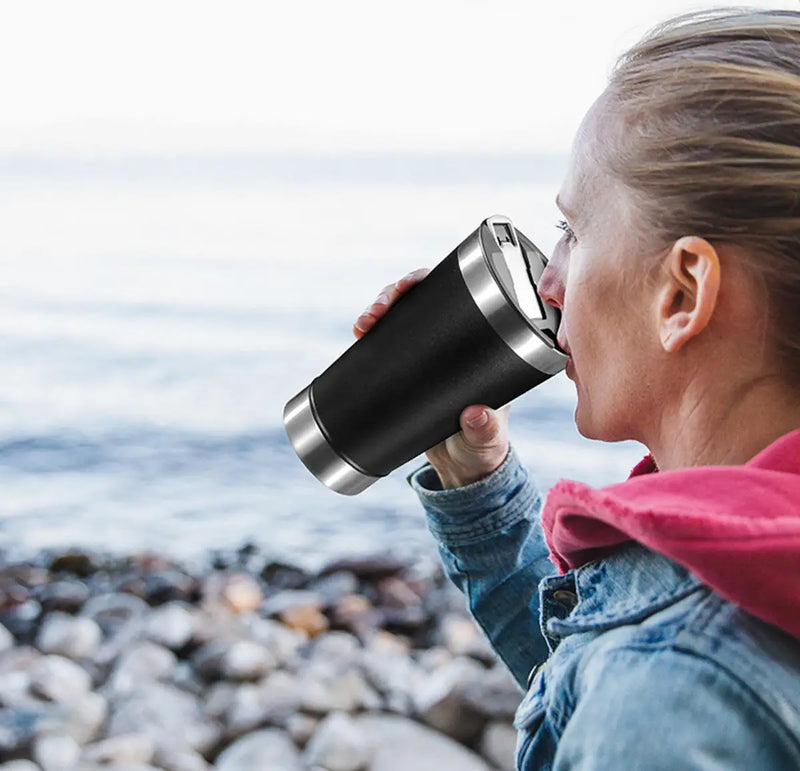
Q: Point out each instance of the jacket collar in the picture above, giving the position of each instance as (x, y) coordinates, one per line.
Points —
(624, 587)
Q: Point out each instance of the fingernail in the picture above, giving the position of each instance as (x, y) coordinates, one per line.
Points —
(478, 420)
(383, 299)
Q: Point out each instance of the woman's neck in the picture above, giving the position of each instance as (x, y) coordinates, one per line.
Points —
(708, 427)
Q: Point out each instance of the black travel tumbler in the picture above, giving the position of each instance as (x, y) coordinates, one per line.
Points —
(473, 331)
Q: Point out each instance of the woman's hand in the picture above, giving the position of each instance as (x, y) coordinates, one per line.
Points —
(482, 444)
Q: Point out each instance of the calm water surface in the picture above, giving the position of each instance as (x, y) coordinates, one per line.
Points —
(155, 317)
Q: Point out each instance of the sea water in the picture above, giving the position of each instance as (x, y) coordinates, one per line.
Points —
(157, 313)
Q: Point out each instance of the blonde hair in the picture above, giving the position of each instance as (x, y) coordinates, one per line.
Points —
(709, 142)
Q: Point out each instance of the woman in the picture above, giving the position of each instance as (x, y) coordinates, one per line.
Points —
(659, 618)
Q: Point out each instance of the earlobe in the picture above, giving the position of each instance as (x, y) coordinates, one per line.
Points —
(689, 292)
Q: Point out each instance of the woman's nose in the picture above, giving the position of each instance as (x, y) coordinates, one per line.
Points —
(551, 283)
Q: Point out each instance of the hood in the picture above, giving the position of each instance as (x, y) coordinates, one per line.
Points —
(737, 528)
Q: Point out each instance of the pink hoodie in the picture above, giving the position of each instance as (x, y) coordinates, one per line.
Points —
(737, 528)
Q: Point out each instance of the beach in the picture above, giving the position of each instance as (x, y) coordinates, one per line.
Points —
(138, 663)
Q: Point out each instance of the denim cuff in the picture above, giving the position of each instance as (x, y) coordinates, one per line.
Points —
(480, 509)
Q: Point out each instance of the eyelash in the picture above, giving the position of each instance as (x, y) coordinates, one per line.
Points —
(568, 234)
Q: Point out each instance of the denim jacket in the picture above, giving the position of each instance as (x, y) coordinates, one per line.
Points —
(628, 662)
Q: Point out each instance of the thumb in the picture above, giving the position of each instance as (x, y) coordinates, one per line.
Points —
(480, 426)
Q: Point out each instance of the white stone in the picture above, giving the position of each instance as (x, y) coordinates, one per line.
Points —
(75, 637)
(439, 700)
(170, 716)
(147, 662)
(58, 679)
(338, 744)
(245, 660)
(273, 700)
(260, 751)
(56, 752)
(6, 641)
(20, 765)
(125, 748)
(400, 744)
(281, 641)
(462, 637)
(329, 688)
(172, 625)
(301, 727)
(499, 744)
(181, 760)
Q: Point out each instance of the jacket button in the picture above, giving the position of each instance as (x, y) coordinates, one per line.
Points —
(566, 597)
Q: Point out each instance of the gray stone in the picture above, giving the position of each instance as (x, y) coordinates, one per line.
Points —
(291, 598)
(273, 700)
(172, 718)
(499, 744)
(54, 752)
(335, 586)
(439, 700)
(181, 760)
(81, 718)
(125, 748)
(261, 750)
(327, 687)
(172, 625)
(70, 636)
(338, 744)
(400, 744)
(390, 672)
(336, 646)
(281, 641)
(6, 639)
(494, 694)
(146, 662)
(462, 637)
(114, 610)
(245, 660)
(301, 727)
(67, 595)
(58, 679)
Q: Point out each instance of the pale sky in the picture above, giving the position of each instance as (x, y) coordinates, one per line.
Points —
(106, 76)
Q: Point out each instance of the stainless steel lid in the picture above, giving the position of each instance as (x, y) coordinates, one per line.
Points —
(502, 268)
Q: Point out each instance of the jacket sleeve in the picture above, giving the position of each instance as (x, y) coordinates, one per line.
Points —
(659, 709)
(492, 547)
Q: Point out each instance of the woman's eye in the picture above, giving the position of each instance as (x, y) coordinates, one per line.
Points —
(568, 234)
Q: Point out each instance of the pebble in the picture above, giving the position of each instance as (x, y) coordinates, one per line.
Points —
(246, 660)
(439, 700)
(270, 748)
(338, 744)
(146, 662)
(126, 748)
(171, 625)
(234, 592)
(56, 678)
(68, 596)
(145, 666)
(499, 744)
(75, 638)
(305, 618)
(400, 744)
(19, 765)
(54, 752)
(6, 639)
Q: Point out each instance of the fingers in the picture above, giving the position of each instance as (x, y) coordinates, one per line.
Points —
(483, 427)
(386, 298)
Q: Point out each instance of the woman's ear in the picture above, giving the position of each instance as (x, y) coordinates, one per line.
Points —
(688, 293)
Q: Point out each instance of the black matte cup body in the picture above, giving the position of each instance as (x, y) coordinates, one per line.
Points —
(400, 389)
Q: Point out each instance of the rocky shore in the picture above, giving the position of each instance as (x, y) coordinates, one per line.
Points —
(246, 664)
